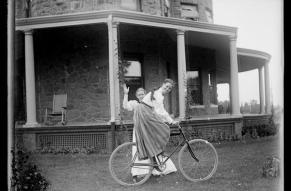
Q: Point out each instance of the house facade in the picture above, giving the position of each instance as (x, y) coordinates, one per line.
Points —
(85, 48)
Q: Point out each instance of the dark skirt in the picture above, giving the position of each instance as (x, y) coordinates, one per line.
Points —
(152, 135)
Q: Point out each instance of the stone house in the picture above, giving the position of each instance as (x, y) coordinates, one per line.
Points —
(79, 47)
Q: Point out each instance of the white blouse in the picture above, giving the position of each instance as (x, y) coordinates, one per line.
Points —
(158, 105)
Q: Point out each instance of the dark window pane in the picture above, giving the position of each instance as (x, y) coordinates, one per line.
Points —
(133, 84)
(194, 87)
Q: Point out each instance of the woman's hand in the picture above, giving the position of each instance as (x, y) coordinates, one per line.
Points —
(125, 89)
(175, 122)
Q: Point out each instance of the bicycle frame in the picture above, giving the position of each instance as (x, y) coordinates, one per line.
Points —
(167, 158)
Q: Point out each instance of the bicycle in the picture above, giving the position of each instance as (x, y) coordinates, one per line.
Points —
(197, 161)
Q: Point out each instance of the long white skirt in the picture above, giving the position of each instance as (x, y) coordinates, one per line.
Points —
(143, 170)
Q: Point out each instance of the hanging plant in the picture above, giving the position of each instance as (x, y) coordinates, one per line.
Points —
(122, 70)
(187, 100)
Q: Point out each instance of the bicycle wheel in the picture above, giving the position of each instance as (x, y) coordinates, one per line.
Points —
(205, 167)
(122, 169)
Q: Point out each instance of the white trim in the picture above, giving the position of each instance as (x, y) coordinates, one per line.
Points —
(61, 24)
(170, 26)
(253, 53)
(197, 106)
(131, 17)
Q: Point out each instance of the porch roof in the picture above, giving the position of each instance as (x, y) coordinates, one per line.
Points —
(121, 16)
(249, 59)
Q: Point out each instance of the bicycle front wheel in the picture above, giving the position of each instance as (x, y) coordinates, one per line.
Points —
(206, 165)
(123, 169)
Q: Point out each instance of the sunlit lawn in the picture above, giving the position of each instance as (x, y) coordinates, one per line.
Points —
(239, 169)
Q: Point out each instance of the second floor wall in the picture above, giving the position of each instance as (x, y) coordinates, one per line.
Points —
(196, 10)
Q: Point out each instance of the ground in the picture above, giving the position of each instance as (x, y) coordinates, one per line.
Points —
(239, 168)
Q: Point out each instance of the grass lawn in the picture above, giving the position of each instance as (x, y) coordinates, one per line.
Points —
(238, 169)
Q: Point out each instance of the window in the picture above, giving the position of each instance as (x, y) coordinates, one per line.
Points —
(209, 15)
(212, 87)
(130, 5)
(194, 87)
(189, 11)
(133, 76)
(75, 5)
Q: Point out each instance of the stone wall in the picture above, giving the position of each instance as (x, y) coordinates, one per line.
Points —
(56, 7)
(75, 62)
(152, 7)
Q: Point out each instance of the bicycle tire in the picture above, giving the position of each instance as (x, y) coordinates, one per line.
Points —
(120, 169)
(207, 156)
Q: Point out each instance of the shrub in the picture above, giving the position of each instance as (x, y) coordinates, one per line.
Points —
(26, 175)
(69, 150)
(271, 167)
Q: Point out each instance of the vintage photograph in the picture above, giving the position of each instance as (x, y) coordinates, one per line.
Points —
(145, 95)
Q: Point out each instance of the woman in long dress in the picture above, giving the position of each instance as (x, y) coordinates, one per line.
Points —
(130, 106)
(151, 131)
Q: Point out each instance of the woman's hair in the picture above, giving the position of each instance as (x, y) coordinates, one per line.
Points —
(167, 80)
(140, 89)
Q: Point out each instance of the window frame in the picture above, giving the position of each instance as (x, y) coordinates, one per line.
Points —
(212, 86)
(138, 6)
(191, 102)
(134, 57)
(194, 5)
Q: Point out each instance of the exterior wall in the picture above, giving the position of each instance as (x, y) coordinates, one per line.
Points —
(202, 6)
(65, 65)
(153, 7)
(56, 7)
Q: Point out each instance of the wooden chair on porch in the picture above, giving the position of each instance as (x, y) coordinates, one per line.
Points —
(59, 108)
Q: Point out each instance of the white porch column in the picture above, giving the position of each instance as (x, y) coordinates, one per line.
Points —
(234, 90)
(30, 80)
(261, 88)
(116, 69)
(113, 70)
(267, 88)
(181, 72)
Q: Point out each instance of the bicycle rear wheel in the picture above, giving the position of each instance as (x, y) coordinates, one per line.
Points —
(122, 169)
(203, 169)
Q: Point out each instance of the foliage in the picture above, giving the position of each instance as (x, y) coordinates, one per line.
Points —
(26, 175)
(69, 150)
(271, 167)
(187, 100)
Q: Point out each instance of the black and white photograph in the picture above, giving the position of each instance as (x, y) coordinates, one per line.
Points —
(145, 95)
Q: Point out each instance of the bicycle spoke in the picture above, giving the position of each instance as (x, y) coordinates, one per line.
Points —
(122, 166)
(206, 165)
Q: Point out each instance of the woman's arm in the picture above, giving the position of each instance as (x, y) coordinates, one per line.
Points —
(160, 108)
(128, 105)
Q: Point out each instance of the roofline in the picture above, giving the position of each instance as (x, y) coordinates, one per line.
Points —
(122, 16)
(253, 53)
